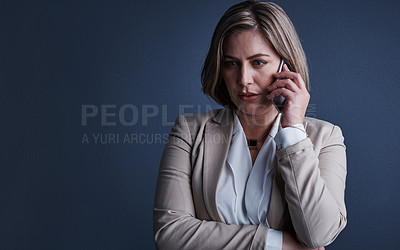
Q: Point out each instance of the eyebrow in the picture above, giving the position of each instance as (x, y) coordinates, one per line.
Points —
(248, 58)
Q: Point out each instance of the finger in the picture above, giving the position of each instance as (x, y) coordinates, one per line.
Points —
(285, 68)
(286, 73)
(280, 91)
(283, 83)
(295, 77)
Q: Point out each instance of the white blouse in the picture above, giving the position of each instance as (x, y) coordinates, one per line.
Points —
(244, 190)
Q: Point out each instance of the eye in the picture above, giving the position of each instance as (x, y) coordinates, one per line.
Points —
(230, 63)
(259, 62)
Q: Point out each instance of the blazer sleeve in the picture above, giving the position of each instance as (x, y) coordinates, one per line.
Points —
(314, 177)
(174, 218)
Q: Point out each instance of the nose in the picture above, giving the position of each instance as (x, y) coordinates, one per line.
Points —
(245, 77)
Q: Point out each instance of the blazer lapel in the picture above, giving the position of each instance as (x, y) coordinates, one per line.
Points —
(218, 136)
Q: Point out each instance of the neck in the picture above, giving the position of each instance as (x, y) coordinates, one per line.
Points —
(257, 125)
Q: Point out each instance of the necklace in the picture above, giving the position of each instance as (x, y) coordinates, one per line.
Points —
(252, 143)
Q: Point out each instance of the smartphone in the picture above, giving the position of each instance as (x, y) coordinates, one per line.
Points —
(279, 101)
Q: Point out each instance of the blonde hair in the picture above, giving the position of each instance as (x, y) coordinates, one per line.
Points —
(274, 25)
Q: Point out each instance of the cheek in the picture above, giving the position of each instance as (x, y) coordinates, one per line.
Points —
(266, 78)
(225, 75)
(229, 81)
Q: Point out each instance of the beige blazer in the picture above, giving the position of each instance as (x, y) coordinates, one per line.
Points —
(307, 193)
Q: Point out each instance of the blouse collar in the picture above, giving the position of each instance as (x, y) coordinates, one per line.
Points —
(237, 126)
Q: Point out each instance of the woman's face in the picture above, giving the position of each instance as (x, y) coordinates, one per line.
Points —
(248, 64)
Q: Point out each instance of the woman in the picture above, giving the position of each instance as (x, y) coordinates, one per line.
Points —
(250, 176)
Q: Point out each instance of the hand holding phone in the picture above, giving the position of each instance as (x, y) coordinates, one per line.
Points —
(293, 88)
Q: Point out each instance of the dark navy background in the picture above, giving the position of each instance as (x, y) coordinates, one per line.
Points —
(55, 56)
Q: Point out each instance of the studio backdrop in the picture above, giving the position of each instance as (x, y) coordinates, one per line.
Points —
(90, 91)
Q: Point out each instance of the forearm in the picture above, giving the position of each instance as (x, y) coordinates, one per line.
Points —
(178, 230)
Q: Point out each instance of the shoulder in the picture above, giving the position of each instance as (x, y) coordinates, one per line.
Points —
(317, 124)
(200, 119)
(194, 124)
(313, 124)
(321, 131)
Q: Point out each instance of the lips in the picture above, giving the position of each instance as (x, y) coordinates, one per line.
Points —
(249, 96)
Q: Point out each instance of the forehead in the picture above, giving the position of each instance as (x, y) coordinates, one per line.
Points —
(247, 42)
